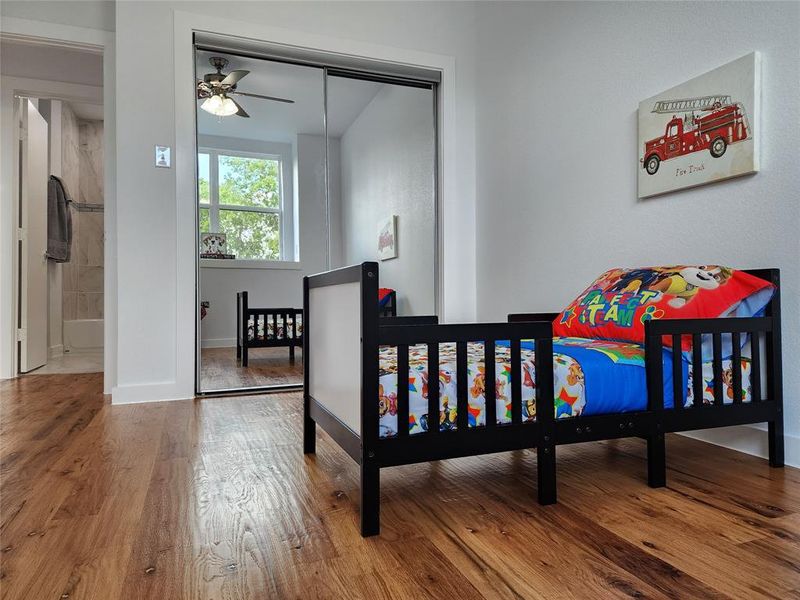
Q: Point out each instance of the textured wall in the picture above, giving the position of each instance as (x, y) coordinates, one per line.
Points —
(557, 144)
(387, 158)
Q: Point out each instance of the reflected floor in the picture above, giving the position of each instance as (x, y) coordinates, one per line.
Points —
(72, 362)
(219, 369)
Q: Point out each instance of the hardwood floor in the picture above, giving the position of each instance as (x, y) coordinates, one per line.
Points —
(214, 499)
(219, 369)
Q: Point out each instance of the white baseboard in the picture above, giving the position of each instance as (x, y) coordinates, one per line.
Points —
(218, 343)
(750, 439)
(55, 351)
(148, 392)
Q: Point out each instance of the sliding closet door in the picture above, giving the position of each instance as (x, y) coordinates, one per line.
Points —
(262, 215)
(382, 182)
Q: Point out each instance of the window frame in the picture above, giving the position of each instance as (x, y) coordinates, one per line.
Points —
(288, 258)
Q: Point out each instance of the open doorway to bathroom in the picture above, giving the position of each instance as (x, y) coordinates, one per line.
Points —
(59, 207)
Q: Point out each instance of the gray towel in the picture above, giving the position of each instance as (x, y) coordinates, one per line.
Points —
(59, 221)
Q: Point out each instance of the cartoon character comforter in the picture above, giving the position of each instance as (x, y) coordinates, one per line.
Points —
(591, 377)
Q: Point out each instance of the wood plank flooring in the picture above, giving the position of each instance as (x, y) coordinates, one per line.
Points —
(219, 369)
(214, 499)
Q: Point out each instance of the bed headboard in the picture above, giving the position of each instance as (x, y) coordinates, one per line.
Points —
(340, 342)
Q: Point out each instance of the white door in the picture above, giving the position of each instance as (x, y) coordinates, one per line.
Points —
(33, 266)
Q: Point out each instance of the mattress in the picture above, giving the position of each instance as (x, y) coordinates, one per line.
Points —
(591, 377)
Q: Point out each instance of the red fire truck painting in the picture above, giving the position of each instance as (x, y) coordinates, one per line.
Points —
(709, 122)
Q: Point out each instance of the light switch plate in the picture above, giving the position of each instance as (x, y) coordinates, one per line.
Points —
(163, 158)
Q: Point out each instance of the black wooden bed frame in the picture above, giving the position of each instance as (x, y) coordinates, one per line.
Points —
(545, 433)
(243, 314)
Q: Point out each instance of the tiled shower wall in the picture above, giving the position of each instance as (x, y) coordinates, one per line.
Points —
(82, 168)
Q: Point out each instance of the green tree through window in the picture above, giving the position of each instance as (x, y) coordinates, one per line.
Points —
(246, 204)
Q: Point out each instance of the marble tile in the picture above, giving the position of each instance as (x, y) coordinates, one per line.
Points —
(90, 279)
(80, 245)
(95, 252)
(70, 306)
(82, 305)
(91, 238)
(91, 162)
(69, 277)
(70, 151)
(94, 306)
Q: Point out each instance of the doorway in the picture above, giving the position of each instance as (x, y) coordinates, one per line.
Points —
(287, 186)
(59, 207)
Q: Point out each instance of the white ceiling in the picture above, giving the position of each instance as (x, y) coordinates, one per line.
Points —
(277, 121)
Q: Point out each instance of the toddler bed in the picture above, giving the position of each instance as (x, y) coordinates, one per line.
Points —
(266, 328)
(367, 384)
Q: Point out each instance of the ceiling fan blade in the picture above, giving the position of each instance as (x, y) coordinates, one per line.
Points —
(286, 100)
(241, 112)
(203, 89)
(233, 77)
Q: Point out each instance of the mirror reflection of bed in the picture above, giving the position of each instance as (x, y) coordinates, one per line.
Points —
(291, 190)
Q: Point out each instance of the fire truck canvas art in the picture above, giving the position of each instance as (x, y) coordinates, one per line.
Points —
(701, 131)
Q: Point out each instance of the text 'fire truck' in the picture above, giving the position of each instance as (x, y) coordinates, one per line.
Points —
(711, 122)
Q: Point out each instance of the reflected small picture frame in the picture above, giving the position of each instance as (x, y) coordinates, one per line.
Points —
(213, 244)
(387, 238)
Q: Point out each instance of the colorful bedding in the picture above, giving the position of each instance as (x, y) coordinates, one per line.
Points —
(255, 329)
(591, 377)
(617, 304)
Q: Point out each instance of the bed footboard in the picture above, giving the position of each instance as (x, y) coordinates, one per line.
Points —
(766, 378)
(343, 336)
(271, 328)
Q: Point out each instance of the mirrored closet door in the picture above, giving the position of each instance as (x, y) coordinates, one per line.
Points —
(303, 167)
(260, 166)
(381, 190)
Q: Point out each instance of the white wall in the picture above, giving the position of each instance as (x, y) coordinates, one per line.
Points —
(91, 14)
(557, 153)
(147, 256)
(275, 287)
(388, 154)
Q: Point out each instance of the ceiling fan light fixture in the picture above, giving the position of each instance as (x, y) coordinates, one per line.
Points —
(219, 105)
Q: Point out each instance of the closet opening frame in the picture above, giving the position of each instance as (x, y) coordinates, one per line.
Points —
(327, 64)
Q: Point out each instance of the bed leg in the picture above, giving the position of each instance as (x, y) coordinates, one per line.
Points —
(656, 461)
(238, 349)
(309, 430)
(775, 439)
(546, 472)
(370, 499)
(291, 353)
(244, 355)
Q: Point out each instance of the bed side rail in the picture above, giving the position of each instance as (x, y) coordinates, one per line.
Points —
(416, 320)
(462, 334)
(275, 317)
(539, 316)
(762, 334)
